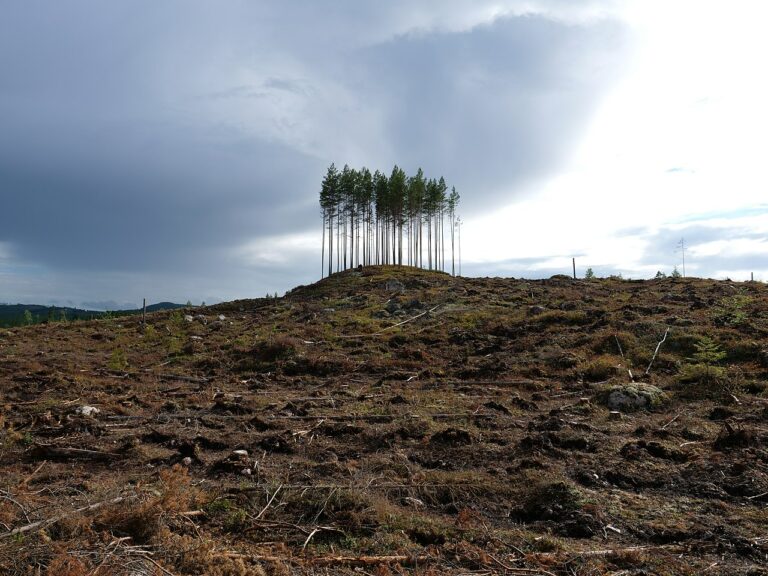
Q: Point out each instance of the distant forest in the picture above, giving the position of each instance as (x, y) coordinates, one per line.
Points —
(27, 314)
(378, 219)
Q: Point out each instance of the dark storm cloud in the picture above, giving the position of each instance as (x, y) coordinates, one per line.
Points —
(156, 136)
(106, 215)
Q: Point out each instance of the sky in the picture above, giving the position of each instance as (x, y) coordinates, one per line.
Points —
(174, 149)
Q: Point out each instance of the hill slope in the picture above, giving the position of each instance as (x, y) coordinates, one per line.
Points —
(396, 420)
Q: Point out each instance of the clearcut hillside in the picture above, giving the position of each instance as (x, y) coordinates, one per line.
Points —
(395, 421)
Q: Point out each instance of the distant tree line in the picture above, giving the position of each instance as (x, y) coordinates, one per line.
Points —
(18, 315)
(371, 218)
(27, 314)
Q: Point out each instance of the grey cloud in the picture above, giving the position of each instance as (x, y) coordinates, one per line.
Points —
(495, 108)
(662, 249)
(152, 139)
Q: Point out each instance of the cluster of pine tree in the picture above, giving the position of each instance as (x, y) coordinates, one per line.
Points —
(374, 219)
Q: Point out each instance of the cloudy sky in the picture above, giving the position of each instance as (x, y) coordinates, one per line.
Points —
(173, 149)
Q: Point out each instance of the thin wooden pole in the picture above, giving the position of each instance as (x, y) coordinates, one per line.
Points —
(574, 268)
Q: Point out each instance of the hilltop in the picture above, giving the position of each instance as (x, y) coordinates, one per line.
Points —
(393, 420)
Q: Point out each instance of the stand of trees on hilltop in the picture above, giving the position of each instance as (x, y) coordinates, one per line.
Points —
(378, 219)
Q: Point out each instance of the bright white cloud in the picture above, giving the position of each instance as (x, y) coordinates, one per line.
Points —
(679, 141)
(281, 250)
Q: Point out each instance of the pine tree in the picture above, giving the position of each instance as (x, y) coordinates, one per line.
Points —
(453, 202)
(397, 198)
(329, 200)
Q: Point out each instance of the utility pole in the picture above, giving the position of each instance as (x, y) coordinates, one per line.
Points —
(681, 245)
(574, 268)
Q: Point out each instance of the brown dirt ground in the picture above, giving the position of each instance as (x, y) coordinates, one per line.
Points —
(442, 426)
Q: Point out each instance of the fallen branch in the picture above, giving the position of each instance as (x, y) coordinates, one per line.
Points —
(411, 319)
(54, 452)
(672, 548)
(371, 560)
(648, 370)
(380, 332)
(54, 519)
(183, 378)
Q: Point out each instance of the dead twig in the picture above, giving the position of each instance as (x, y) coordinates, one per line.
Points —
(163, 570)
(757, 496)
(656, 352)
(670, 422)
(35, 471)
(315, 531)
(269, 503)
(631, 376)
(6, 496)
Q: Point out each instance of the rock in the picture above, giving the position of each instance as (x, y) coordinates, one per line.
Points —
(536, 310)
(236, 463)
(763, 358)
(414, 503)
(189, 318)
(394, 286)
(413, 304)
(451, 436)
(193, 347)
(719, 413)
(222, 317)
(613, 415)
(631, 397)
(87, 411)
(186, 461)
(216, 325)
(392, 306)
(202, 319)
